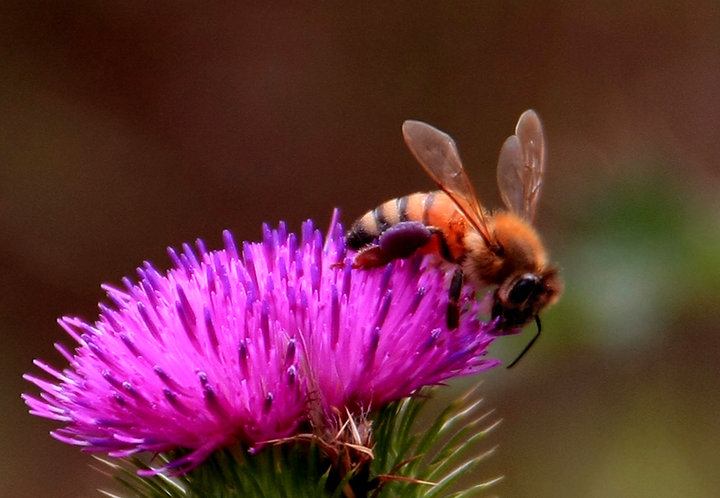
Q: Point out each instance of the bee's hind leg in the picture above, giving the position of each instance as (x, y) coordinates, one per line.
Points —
(371, 256)
(403, 239)
(397, 242)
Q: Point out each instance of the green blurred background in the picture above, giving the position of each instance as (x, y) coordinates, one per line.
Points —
(131, 126)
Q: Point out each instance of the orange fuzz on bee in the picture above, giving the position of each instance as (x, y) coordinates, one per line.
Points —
(500, 249)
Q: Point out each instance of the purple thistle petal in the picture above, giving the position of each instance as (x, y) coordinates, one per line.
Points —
(230, 347)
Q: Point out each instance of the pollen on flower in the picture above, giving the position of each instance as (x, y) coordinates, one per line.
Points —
(236, 345)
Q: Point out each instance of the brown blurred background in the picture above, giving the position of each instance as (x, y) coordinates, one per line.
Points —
(131, 126)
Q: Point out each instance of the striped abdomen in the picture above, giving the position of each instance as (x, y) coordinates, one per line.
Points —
(434, 210)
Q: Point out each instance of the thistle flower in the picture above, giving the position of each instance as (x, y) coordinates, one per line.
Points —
(254, 343)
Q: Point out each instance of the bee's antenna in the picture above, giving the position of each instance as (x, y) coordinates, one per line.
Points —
(532, 341)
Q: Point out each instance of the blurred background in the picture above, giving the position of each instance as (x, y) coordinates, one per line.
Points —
(131, 126)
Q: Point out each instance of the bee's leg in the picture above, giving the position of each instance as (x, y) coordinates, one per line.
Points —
(442, 246)
(397, 242)
(403, 239)
(453, 309)
(371, 256)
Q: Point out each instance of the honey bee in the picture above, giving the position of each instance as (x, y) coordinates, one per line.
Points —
(499, 248)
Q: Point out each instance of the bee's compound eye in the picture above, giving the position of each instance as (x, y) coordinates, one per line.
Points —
(523, 288)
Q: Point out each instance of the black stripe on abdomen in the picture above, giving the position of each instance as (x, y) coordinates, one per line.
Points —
(359, 236)
(427, 205)
(380, 219)
(402, 204)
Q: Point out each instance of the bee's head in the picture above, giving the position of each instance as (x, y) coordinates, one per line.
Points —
(522, 296)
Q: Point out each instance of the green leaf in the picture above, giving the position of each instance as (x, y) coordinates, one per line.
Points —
(440, 455)
(409, 461)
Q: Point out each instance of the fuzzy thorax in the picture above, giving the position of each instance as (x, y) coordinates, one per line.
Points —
(518, 250)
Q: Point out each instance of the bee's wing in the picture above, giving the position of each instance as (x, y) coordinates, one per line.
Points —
(437, 153)
(521, 165)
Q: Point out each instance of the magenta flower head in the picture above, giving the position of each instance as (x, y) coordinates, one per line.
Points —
(252, 343)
